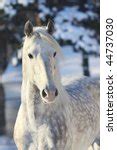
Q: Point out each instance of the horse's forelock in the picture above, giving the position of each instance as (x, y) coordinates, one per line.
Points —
(42, 34)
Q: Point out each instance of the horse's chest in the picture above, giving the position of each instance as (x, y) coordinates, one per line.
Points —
(52, 130)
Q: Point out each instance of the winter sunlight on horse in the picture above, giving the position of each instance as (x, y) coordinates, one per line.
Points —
(51, 116)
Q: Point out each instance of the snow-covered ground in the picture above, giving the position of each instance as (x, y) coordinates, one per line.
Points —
(7, 143)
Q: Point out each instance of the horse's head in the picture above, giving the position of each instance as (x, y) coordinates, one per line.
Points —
(40, 52)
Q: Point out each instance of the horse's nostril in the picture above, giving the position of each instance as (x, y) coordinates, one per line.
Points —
(44, 93)
(49, 94)
(56, 92)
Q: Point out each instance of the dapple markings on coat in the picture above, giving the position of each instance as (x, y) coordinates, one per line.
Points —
(51, 116)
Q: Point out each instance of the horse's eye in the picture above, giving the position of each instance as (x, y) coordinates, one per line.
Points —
(30, 56)
(54, 54)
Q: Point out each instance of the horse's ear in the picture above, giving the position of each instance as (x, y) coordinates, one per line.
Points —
(28, 28)
(50, 27)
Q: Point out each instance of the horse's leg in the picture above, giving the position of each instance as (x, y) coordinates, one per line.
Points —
(22, 137)
(32, 147)
(45, 138)
(95, 145)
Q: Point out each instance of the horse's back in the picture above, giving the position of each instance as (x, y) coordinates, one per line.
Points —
(84, 88)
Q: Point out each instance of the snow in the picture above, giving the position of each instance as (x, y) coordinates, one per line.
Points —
(14, 61)
(70, 67)
(88, 44)
(67, 23)
(9, 10)
(68, 28)
(25, 2)
(69, 13)
(43, 11)
(19, 54)
(1, 4)
(67, 31)
(6, 143)
(91, 14)
(5, 4)
(12, 74)
(80, 36)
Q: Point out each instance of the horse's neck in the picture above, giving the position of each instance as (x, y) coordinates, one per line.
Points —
(35, 107)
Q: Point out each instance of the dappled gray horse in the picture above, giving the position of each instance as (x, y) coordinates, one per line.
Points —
(53, 117)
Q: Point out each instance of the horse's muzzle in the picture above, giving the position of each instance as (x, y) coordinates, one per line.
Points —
(49, 94)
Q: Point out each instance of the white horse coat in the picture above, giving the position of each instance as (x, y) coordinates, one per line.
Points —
(65, 119)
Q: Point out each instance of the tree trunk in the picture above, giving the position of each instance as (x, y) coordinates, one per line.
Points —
(36, 14)
(3, 52)
(2, 110)
(57, 3)
(85, 63)
(82, 4)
